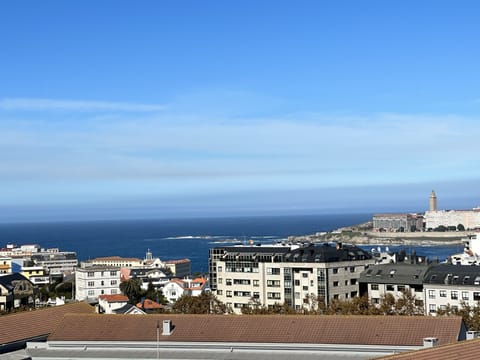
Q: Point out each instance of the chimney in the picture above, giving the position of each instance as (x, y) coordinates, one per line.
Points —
(472, 334)
(430, 342)
(167, 327)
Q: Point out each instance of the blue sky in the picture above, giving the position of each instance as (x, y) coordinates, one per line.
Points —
(116, 109)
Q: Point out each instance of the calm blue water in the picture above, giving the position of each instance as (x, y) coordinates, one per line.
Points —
(180, 238)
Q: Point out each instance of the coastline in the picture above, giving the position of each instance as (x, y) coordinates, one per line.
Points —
(363, 235)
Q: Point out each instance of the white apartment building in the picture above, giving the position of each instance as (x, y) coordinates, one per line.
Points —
(91, 281)
(290, 274)
(58, 263)
(451, 285)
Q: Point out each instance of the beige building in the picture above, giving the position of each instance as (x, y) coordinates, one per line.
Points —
(297, 275)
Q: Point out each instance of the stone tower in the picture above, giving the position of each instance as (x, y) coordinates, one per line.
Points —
(433, 201)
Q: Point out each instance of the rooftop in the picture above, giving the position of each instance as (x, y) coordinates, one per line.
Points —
(366, 330)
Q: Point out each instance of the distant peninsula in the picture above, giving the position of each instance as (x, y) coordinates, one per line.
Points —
(363, 234)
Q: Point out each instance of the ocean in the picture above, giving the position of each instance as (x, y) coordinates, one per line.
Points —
(172, 239)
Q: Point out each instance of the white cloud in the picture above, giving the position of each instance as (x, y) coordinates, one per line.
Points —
(32, 104)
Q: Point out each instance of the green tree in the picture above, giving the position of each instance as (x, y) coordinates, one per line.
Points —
(132, 289)
(205, 303)
(460, 227)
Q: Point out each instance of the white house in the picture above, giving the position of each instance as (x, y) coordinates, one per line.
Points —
(108, 303)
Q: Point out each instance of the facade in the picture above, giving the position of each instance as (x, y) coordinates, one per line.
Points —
(451, 285)
(16, 291)
(95, 280)
(36, 274)
(276, 274)
(396, 222)
(57, 263)
(395, 279)
(470, 219)
(176, 288)
(117, 261)
(108, 303)
(179, 268)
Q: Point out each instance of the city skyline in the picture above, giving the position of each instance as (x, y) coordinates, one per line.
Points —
(109, 110)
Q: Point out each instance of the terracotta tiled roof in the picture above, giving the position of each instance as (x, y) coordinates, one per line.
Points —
(31, 324)
(114, 298)
(367, 330)
(465, 350)
(149, 305)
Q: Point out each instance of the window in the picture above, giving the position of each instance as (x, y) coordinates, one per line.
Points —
(273, 271)
(91, 274)
(220, 269)
(241, 282)
(375, 300)
(305, 275)
(374, 286)
(390, 287)
(91, 283)
(335, 283)
(335, 271)
(431, 294)
(352, 269)
(297, 295)
(273, 295)
(256, 295)
(464, 295)
(346, 282)
(91, 292)
(228, 282)
(102, 283)
(113, 273)
(113, 282)
(113, 292)
(220, 280)
(305, 288)
(219, 292)
(353, 281)
(432, 308)
(443, 293)
(273, 283)
(400, 288)
(476, 296)
(255, 283)
(454, 295)
(297, 282)
(229, 293)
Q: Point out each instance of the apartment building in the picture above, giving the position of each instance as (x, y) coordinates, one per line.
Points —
(91, 281)
(451, 285)
(394, 279)
(286, 273)
(57, 263)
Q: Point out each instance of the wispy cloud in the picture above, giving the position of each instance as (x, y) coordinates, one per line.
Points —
(34, 104)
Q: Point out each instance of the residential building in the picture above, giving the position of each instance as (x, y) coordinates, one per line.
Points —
(286, 273)
(394, 279)
(175, 288)
(243, 337)
(91, 281)
(149, 306)
(451, 285)
(58, 263)
(108, 303)
(156, 276)
(36, 274)
(471, 251)
(16, 291)
(5, 265)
